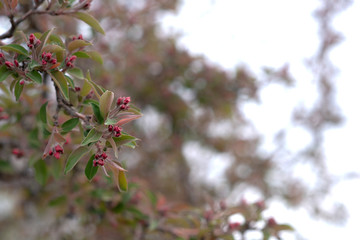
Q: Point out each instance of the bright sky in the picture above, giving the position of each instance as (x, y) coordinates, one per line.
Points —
(270, 33)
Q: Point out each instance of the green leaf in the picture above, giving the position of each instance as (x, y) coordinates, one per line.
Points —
(15, 48)
(81, 54)
(60, 80)
(95, 56)
(86, 88)
(57, 40)
(105, 103)
(97, 113)
(69, 124)
(40, 172)
(90, 20)
(121, 181)
(35, 76)
(93, 136)
(97, 89)
(4, 73)
(42, 113)
(75, 44)
(76, 72)
(18, 89)
(90, 170)
(44, 38)
(70, 81)
(124, 139)
(110, 121)
(74, 157)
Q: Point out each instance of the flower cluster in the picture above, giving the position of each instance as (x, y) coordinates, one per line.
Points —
(80, 37)
(99, 159)
(33, 42)
(115, 130)
(56, 151)
(48, 59)
(123, 102)
(69, 61)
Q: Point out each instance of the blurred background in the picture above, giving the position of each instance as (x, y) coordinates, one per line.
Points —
(251, 100)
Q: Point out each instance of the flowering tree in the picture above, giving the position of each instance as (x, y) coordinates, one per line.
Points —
(59, 125)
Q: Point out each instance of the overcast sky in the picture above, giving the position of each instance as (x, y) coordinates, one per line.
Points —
(261, 33)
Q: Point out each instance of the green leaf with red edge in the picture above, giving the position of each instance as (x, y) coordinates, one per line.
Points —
(69, 125)
(127, 118)
(18, 89)
(93, 136)
(105, 103)
(90, 169)
(75, 44)
(35, 76)
(97, 112)
(74, 157)
(114, 147)
(90, 20)
(44, 38)
(42, 113)
(4, 73)
(15, 48)
(60, 81)
(41, 174)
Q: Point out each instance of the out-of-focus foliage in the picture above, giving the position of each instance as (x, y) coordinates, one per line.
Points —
(192, 111)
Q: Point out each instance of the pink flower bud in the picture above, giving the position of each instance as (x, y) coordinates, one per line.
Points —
(127, 100)
(44, 62)
(53, 61)
(72, 58)
(104, 156)
(119, 100)
(9, 64)
(59, 149)
(16, 63)
(31, 38)
(22, 82)
(77, 89)
(57, 155)
(110, 128)
(80, 37)
(48, 56)
(38, 42)
(69, 65)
